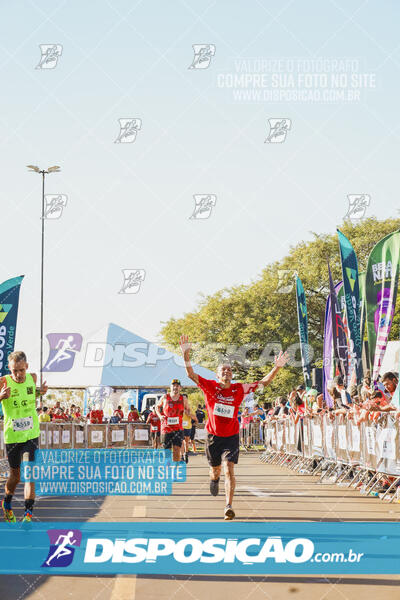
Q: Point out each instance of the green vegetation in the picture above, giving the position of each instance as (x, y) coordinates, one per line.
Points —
(257, 314)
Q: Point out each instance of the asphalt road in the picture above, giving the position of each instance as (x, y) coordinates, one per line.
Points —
(264, 493)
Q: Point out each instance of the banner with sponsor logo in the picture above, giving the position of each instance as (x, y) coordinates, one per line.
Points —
(351, 372)
(381, 291)
(303, 331)
(173, 548)
(361, 281)
(9, 299)
(352, 302)
(363, 314)
(331, 323)
(328, 360)
(340, 342)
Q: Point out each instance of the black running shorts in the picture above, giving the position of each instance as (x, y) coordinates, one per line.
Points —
(15, 452)
(218, 448)
(174, 438)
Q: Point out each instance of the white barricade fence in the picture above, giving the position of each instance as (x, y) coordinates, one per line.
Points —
(387, 446)
(268, 427)
(200, 434)
(329, 438)
(342, 440)
(364, 451)
(110, 435)
(354, 443)
(292, 430)
(251, 434)
(305, 433)
(316, 430)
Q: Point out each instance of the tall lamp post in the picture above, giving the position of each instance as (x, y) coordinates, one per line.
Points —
(43, 173)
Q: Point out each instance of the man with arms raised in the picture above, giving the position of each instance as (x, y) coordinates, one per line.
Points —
(223, 399)
(21, 428)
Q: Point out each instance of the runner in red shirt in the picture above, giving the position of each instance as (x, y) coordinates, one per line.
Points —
(155, 427)
(223, 399)
(133, 415)
(96, 416)
(170, 412)
(119, 412)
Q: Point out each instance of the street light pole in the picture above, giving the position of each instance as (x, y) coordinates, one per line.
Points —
(43, 173)
(42, 284)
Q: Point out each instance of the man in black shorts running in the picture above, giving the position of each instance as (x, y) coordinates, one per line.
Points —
(170, 412)
(223, 399)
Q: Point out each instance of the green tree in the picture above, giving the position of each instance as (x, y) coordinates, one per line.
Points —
(239, 322)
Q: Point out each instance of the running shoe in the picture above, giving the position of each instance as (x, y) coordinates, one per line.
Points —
(8, 514)
(27, 517)
(214, 487)
(229, 513)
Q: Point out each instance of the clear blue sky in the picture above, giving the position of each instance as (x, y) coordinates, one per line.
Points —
(129, 204)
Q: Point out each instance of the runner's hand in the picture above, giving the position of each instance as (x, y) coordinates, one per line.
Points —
(281, 359)
(185, 345)
(5, 392)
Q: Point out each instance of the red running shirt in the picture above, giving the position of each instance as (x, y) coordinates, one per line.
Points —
(173, 411)
(96, 416)
(154, 422)
(223, 405)
(133, 416)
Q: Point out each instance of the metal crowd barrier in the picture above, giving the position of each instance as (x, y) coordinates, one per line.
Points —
(200, 434)
(360, 455)
(110, 435)
(73, 435)
(251, 435)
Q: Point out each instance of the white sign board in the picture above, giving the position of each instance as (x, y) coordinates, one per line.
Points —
(355, 438)
(317, 435)
(370, 435)
(97, 436)
(117, 435)
(141, 435)
(342, 440)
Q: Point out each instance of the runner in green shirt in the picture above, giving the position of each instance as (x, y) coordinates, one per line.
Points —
(18, 394)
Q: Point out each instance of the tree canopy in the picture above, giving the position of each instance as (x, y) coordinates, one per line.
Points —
(239, 322)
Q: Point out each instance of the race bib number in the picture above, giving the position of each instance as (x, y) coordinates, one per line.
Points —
(223, 410)
(173, 420)
(154, 428)
(23, 424)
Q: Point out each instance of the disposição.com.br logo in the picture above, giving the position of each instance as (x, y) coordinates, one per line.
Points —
(63, 543)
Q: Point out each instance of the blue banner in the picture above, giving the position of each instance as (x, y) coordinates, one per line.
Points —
(352, 300)
(303, 331)
(339, 340)
(9, 298)
(66, 548)
(103, 472)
